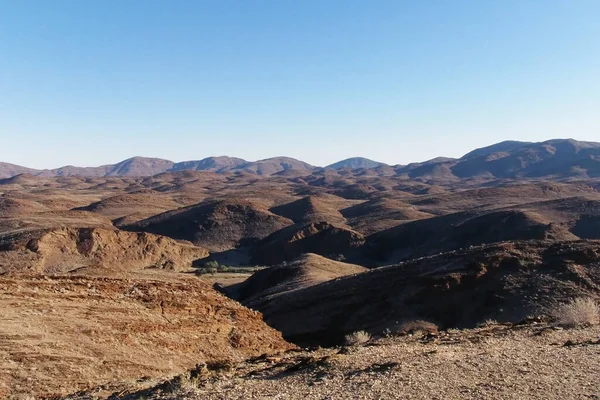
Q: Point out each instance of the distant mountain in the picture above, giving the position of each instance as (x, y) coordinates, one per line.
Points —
(553, 159)
(274, 165)
(140, 166)
(136, 166)
(508, 145)
(559, 158)
(143, 166)
(9, 170)
(216, 164)
(355, 163)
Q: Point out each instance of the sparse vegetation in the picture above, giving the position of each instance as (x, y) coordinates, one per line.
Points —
(487, 323)
(578, 312)
(188, 381)
(211, 264)
(357, 338)
(213, 267)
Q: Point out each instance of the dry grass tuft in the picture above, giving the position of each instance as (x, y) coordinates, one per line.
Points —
(578, 312)
(488, 323)
(357, 338)
(188, 381)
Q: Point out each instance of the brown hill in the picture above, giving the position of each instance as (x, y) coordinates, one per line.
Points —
(95, 251)
(504, 195)
(506, 282)
(136, 206)
(65, 334)
(10, 207)
(379, 214)
(561, 219)
(310, 209)
(321, 238)
(216, 225)
(307, 270)
(356, 191)
(52, 220)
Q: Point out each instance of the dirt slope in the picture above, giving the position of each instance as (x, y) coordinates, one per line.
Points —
(61, 335)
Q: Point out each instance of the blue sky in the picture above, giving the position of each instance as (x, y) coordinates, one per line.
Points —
(94, 82)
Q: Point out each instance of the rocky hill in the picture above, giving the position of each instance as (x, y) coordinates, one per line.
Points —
(94, 251)
(307, 270)
(564, 219)
(216, 225)
(65, 334)
(321, 238)
(504, 282)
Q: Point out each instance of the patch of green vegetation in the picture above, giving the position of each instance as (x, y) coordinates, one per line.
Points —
(213, 267)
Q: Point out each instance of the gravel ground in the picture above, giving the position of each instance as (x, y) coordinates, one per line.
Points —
(494, 362)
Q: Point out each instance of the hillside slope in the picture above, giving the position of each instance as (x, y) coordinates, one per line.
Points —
(217, 225)
(307, 270)
(94, 251)
(505, 282)
(65, 334)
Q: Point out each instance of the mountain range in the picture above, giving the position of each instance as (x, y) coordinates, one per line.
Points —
(552, 159)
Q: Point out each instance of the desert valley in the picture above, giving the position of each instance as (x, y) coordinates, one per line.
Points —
(224, 278)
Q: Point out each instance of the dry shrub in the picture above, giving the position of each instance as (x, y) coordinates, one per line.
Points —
(188, 381)
(357, 338)
(488, 323)
(578, 312)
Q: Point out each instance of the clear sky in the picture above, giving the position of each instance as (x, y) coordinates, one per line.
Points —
(94, 82)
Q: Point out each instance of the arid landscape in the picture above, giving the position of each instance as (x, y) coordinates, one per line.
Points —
(228, 279)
